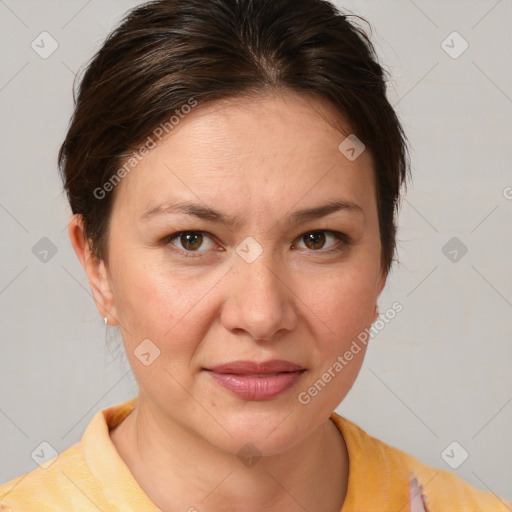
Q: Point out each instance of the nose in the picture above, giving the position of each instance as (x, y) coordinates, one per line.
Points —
(259, 302)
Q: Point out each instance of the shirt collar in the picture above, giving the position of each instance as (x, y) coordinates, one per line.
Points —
(111, 473)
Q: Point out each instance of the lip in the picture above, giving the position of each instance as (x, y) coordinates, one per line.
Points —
(255, 368)
(251, 380)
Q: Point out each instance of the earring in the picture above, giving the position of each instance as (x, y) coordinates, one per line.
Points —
(106, 320)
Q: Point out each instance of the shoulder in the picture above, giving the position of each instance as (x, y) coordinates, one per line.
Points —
(64, 481)
(394, 470)
(87, 476)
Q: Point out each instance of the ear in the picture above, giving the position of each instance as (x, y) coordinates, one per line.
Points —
(381, 282)
(96, 270)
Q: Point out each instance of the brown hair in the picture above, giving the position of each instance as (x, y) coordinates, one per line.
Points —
(166, 53)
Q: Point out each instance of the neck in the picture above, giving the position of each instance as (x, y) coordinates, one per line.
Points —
(180, 471)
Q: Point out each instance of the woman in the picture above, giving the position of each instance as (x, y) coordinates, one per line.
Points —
(234, 171)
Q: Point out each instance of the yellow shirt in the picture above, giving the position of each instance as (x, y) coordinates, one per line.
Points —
(91, 476)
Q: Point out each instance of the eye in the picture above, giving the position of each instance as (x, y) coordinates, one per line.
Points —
(190, 241)
(316, 240)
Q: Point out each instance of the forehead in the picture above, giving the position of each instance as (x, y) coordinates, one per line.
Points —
(269, 151)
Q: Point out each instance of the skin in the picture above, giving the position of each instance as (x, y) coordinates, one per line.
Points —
(257, 160)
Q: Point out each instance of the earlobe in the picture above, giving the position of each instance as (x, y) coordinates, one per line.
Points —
(381, 282)
(375, 313)
(95, 269)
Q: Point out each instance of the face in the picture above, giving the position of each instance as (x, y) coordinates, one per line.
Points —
(222, 254)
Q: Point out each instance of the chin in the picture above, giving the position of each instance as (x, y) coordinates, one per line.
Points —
(251, 443)
(265, 428)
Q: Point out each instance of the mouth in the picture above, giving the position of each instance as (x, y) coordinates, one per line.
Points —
(256, 381)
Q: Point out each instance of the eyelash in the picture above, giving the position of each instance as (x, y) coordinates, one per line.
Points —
(343, 241)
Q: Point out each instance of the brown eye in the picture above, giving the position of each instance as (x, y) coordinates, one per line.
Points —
(314, 240)
(191, 241)
(318, 241)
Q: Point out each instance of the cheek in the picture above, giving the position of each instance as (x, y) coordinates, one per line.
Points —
(340, 304)
(153, 307)
(342, 311)
(147, 302)
(143, 298)
(167, 307)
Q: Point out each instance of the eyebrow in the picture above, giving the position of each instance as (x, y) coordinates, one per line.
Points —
(206, 213)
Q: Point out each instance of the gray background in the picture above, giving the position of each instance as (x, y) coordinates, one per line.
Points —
(438, 373)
